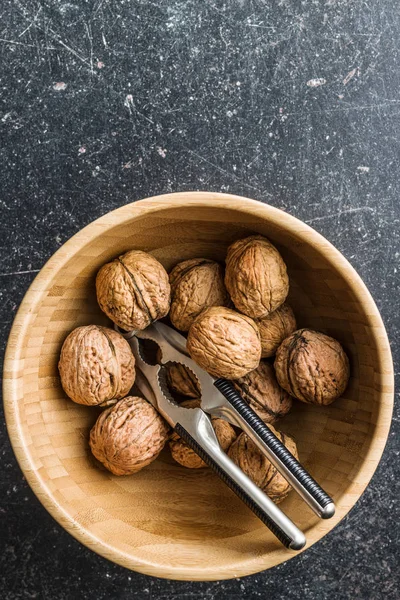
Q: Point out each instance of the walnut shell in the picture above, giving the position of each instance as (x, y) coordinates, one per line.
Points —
(274, 328)
(256, 276)
(96, 365)
(263, 394)
(261, 471)
(187, 457)
(133, 290)
(182, 381)
(128, 436)
(312, 367)
(196, 284)
(224, 343)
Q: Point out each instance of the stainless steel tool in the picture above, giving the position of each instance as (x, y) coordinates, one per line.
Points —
(219, 398)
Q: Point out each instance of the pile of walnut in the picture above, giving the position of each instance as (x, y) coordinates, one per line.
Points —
(233, 320)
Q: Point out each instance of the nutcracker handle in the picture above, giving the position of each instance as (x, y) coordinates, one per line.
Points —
(316, 498)
(262, 506)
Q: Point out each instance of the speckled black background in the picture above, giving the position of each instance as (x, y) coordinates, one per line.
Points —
(292, 102)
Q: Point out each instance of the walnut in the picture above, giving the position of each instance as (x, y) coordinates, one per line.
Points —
(261, 471)
(256, 276)
(261, 391)
(187, 457)
(196, 284)
(96, 365)
(312, 367)
(274, 328)
(224, 343)
(182, 381)
(133, 290)
(128, 436)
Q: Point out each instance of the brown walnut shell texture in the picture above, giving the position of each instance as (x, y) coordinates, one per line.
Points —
(274, 328)
(182, 381)
(258, 468)
(196, 284)
(312, 367)
(185, 456)
(96, 365)
(133, 290)
(263, 394)
(128, 436)
(256, 276)
(224, 343)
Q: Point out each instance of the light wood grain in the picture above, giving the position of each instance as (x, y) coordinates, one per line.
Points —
(168, 521)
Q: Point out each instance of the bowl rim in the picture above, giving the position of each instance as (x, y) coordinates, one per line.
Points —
(126, 213)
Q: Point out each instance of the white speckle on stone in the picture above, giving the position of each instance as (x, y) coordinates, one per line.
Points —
(316, 82)
(238, 83)
(161, 151)
(65, 7)
(82, 150)
(363, 169)
(129, 102)
(349, 76)
(60, 86)
(229, 113)
(282, 117)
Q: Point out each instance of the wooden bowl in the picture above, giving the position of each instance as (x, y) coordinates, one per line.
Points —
(166, 520)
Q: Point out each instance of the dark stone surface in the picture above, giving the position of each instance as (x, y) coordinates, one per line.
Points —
(295, 103)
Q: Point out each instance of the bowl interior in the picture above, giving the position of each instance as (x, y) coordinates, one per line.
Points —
(167, 520)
